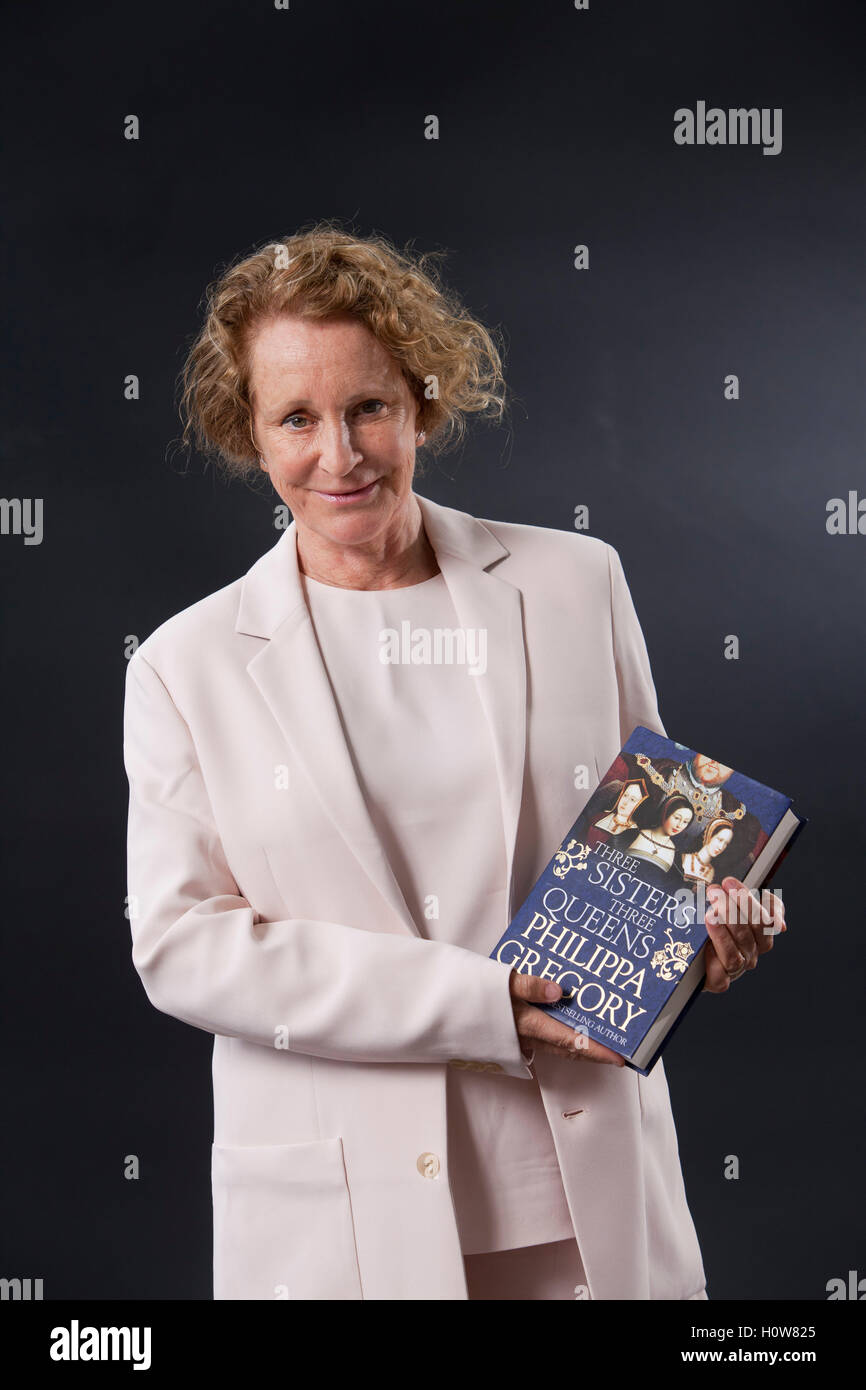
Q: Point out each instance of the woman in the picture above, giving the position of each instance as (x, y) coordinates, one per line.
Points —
(699, 867)
(324, 845)
(656, 843)
(617, 819)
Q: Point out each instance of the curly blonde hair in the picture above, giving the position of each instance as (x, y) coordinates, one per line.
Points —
(448, 358)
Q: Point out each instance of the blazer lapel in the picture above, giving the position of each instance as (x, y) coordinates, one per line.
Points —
(290, 674)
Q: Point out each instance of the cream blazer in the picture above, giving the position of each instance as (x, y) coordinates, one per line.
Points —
(263, 910)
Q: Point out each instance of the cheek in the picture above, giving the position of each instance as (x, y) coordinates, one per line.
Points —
(285, 471)
(402, 468)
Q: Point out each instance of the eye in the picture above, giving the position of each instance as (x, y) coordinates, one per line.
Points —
(365, 404)
(296, 416)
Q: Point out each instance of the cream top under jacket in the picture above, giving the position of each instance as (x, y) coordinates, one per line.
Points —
(425, 758)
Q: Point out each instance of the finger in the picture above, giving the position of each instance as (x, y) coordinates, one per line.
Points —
(767, 927)
(590, 1051)
(778, 911)
(716, 978)
(772, 917)
(534, 1023)
(744, 936)
(548, 1034)
(533, 989)
(746, 921)
(765, 934)
(727, 951)
(746, 906)
(728, 922)
(586, 1047)
(528, 993)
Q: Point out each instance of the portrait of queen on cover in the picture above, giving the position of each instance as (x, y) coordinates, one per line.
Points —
(326, 836)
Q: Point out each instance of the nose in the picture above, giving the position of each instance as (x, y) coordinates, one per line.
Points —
(337, 453)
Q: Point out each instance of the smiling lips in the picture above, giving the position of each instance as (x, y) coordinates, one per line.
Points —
(342, 499)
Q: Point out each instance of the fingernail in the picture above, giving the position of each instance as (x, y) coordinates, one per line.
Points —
(551, 991)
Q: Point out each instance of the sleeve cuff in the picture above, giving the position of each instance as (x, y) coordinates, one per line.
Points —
(503, 1046)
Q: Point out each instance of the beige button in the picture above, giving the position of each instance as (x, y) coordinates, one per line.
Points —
(428, 1165)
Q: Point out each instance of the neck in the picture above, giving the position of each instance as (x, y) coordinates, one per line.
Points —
(400, 557)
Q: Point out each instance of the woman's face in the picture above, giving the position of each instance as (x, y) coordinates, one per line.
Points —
(719, 841)
(677, 820)
(334, 420)
(628, 801)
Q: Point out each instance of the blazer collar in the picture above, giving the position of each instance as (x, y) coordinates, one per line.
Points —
(292, 679)
(272, 588)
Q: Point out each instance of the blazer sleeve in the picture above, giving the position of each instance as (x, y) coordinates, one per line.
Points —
(326, 988)
(638, 702)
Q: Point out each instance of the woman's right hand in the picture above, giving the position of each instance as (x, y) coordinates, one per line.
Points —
(541, 1032)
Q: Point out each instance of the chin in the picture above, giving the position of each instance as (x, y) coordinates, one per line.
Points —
(352, 525)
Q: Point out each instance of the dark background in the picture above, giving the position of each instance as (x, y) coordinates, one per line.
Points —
(556, 129)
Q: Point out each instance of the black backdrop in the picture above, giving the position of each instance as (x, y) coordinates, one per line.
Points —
(556, 129)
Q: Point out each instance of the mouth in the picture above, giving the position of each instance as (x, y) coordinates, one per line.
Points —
(349, 495)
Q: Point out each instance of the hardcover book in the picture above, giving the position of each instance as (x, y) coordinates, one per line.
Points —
(617, 917)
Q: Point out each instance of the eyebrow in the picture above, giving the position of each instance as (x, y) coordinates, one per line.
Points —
(287, 405)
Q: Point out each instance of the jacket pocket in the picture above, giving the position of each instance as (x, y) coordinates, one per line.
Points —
(282, 1222)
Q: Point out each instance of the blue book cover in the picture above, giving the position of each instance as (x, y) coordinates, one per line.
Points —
(617, 917)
